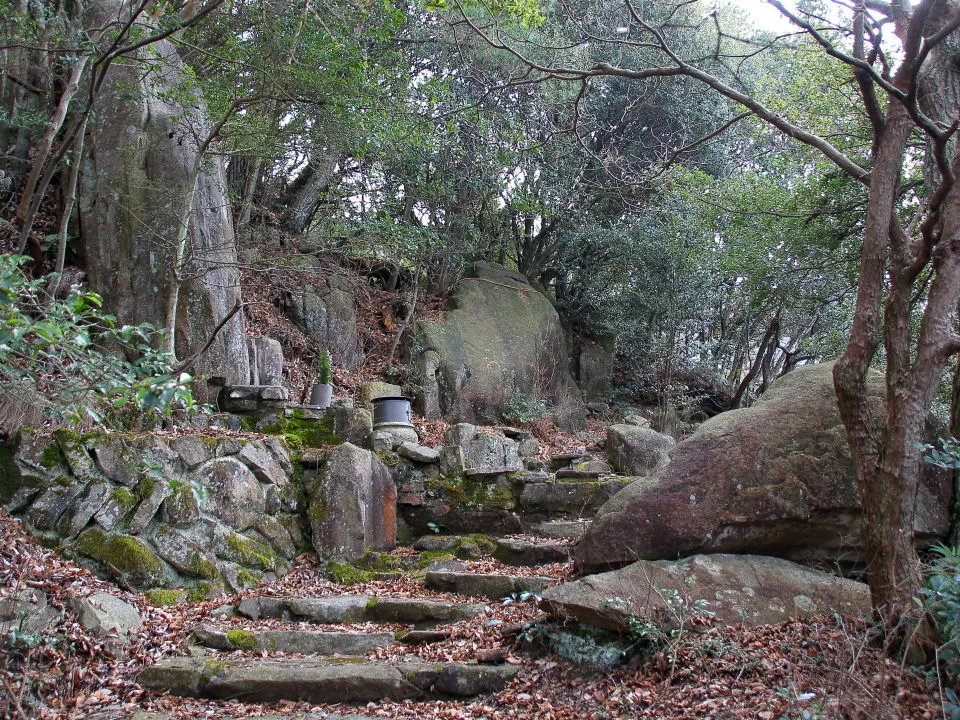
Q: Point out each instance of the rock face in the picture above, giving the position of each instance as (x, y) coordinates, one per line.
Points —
(738, 589)
(638, 451)
(326, 311)
(775, 478)
(353, 505)
(133, 185)
(484, 453)
(214, 514)
(499, 344)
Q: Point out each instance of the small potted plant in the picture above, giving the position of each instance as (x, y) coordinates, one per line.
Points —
(322, 392)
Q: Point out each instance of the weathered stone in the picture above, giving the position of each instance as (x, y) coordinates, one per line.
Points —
(26, 611)
(499, 341)
(266, 361)
(446, 577)
(636, 420)
(464, 680)
(739, 589)
(116, 507)
(528, 447)
(192, 449)
(562, 529)
(523, 552)
(152, 493)
(180, 508)
(326, 611)
(775, 478)
(235, 494)
(568, 497)
(420, 611)
(594, 370)
(102, 613)
(326, 311)
(280, 452)
(369, 391)
(353, 505)
(237, 578)
(136, 561)
(638, 451)
(304, 642)
(79, 514)
(46, 510)
(352, 425)
(484, 453)
(181, 676)
(241, 549)
(118, 460)
(381, 441)
(274, 531)
(256, 457)
(227, 446)
(246, 398)
(187, 556)
(81, 465)
(418, 453)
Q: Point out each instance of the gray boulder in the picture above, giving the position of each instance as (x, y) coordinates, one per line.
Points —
(500, 342)
(266, 361)
(775, 478)
(353, 505)
(102, 613)
(735, 589)
(638, 451)
(235, 494)
(484, 453)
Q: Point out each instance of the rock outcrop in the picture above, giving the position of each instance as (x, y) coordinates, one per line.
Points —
(134, 183)
(500, 344)
(638, 451)
(733, 589)
(326, 311)
(208, 513)
(353, 505)
(775, 478)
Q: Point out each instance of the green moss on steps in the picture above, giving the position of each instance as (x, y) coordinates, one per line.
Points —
(242, 639)
(346, 574)
(472, 492)
(300, 432)
(430, 556)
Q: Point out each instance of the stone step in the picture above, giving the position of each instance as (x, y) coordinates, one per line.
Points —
(567, 497)
(321, 681)
(506, 550)
(343, 609)
(562, 529)
(457, 578)
(301, 642)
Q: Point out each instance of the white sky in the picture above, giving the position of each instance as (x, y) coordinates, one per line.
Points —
(763, 15)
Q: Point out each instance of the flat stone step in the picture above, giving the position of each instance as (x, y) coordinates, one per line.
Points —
(506, 550)
(302, 642)
(321, 681)
(457, 578)
(561, 529)
(343, 609)
(567, 497)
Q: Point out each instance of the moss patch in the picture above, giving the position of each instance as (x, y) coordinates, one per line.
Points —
(158, 597)
(242, 639)
(50, 457)
(378, 562)
(248, 552)
(430, 556)
(125, 553)
(302, 432)
(346, 574)
(473, 546)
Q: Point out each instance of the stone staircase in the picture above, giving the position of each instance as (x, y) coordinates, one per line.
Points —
(359, 647)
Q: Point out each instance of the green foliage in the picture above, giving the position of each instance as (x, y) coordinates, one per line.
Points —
(74, 362)
(941, 598)
(946, 456)
(522, 409)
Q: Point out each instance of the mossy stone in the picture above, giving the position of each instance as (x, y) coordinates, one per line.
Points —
(346, 574)
(159, 597)
(128, 555)
(300, 432)
(242, 639)
(247, 552)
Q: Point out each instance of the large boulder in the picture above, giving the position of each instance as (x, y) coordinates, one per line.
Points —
(353, 505)
(499, 346)
(776, 478)
(734, 589)
(134, 181)
(484, 453)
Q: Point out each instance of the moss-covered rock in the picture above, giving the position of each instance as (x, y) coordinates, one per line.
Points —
(242, 639)
(160, 597)
(346, 574)
(300, 431)
(245, 551)
(473, 491)
(128, 555)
